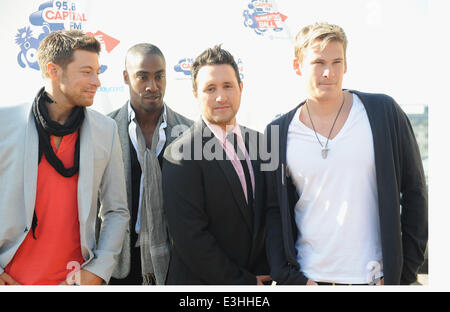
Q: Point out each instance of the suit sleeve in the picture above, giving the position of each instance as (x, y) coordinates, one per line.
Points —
(281, 270)
(414, 201)
(187, 221)
(113, 213)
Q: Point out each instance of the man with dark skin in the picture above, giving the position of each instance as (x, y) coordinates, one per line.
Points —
(146, 125)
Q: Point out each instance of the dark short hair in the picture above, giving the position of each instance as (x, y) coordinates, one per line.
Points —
(58, 47)
(144, 49)
(213, 56)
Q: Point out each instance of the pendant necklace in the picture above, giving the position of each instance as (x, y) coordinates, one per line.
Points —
(325, 148)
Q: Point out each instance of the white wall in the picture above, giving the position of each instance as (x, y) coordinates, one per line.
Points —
(385, 53)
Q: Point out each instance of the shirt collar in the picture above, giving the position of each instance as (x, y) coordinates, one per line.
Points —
(132, 114)
(219, 133)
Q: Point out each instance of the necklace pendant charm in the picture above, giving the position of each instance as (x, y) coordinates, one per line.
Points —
(325, 152)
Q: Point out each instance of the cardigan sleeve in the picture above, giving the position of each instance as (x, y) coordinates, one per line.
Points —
(282, 270)
(414, 200)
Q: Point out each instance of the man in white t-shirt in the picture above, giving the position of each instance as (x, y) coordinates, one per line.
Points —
(348, 201)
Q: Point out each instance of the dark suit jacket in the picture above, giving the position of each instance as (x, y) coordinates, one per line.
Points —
(216, 238)
(402, 196)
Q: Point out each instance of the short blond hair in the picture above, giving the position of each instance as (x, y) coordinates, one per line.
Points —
(319, 31)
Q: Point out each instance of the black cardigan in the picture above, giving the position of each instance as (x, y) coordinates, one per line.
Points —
(402, 196)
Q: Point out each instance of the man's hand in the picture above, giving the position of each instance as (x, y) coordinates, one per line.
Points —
(311, 283)
(260, 279)
(87, 278)
(5, 279)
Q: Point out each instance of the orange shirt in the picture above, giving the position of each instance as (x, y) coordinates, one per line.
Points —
(47, 260)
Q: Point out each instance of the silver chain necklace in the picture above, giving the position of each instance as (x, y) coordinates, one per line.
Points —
(325, 148)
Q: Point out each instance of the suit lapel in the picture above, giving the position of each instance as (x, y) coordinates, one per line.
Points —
(30, 171)
(236, 189)
(233, 180)
(251, 140)
(170, 124)
(122, 127)
(86, 173)
(173, 121)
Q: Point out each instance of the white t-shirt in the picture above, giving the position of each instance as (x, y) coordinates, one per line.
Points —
(337, 213)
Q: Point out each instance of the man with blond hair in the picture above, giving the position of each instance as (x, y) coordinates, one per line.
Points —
(58, 159)
(348, 201)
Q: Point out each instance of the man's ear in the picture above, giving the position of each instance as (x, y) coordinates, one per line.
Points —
(126, 78)
(195, 93)
(53, 70)
(296, 65)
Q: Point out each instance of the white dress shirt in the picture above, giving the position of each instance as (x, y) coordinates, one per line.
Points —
(231, 153)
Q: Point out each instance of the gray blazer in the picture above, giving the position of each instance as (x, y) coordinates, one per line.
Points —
(172, 132)
(101, 178)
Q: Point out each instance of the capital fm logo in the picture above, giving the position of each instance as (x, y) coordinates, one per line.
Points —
(263, 18)
(49, 17)
(183, 68)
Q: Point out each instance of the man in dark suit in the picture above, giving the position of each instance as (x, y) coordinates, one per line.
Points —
(145, 125)
(212, 183)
